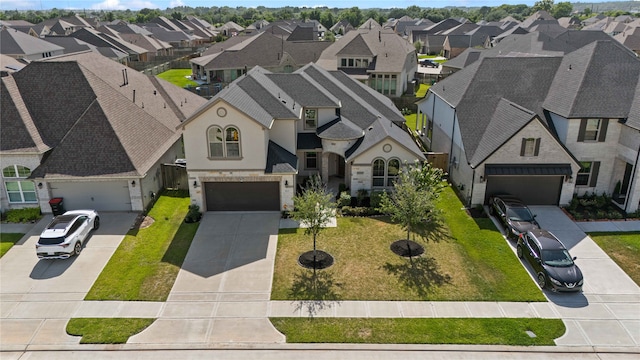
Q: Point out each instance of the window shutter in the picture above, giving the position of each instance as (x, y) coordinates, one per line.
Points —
(583, 127)
(603, 130)
(523, 146)
(595, 166)
(537, 151)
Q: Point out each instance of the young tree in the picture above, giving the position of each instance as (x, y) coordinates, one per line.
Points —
(313, 208)
(411, 203)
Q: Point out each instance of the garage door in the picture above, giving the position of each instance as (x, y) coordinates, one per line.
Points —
(242, 196)
(98, 195)
(533, 190)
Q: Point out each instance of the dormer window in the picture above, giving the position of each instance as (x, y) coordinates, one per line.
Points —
(310, 119)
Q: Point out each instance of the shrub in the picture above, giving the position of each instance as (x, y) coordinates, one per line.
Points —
(31, 214)
(362, 194)
(342, 187)
(344, 199)
(376, 198)
(613, 214)
(601, 214)
(194, 214)
(357, 211)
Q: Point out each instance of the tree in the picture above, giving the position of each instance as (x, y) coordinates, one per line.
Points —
(545, 5)
(562, 9)
(313, 208)
(411, 203)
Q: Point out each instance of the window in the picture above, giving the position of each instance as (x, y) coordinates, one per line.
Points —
(593, 130)
(385, 173)
(19, 191)
(311, 160)
(588, 174)
(310, 118)
(224, 146)
(288, 69)
(343, 62)
(354, 62)
(530, 147)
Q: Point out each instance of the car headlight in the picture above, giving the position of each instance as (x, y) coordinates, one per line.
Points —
(515, 231)
(555, 281)
(580, 283)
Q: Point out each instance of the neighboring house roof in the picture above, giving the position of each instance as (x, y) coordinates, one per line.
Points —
(303, 34)
(264, 50)
(370, 24)
(569, 22)
(461, 29)
(38, 29)
(630, 38)
(538, 15)
(95, 125)
(170, 36)
(633, 120)
(102, 40)
(70, 44)
(230, 26)
(17, 44)
(342, 24)
(598, 80)
(9, 64)
(442, 25)
(390, 50)
(280, 161)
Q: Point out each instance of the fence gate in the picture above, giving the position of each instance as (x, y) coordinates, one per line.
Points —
(174, 176)
(438, 160)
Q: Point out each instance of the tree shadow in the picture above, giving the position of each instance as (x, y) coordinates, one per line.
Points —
(421, 274)
(315, 291)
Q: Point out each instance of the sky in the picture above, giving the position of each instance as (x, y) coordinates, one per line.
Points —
(163, 4)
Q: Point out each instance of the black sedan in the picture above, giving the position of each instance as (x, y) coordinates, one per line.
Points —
(513, 214)
(555, 269)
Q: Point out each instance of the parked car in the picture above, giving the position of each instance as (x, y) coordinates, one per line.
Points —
(555, 268)
(66, 234)
(513, 214)
(429, 63)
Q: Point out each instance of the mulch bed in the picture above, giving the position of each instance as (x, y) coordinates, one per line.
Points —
(401, 248)
(322, 260)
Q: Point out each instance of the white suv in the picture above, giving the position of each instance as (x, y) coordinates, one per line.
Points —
(66, 234)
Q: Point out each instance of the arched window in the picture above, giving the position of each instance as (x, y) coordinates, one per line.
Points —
(216, 146)
(223, 144)
(393, 168)
(232, 142)
(19, 191)
(378, 173)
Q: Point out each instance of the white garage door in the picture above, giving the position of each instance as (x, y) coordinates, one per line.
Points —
(98, 195)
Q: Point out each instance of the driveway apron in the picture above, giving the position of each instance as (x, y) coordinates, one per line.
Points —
(607, 312)
(222, 291)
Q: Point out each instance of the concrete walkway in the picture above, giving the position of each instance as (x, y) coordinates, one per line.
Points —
(221, 296)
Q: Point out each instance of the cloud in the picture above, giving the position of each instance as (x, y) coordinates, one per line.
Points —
(118, 5)
(19, 5)
(176, 3)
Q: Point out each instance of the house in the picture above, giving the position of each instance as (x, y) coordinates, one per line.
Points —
(341, 27)
(102, 40)
(378, 57)
(230, 29)
(224, 62)
(258, 139)
(630, 38)
(541, 128)
(19, 45)
(99, 141)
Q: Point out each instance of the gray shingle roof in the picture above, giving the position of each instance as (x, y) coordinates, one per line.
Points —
(309, 141)
(339, 129)
(14, 42)
(280, 161)
(598, 80)
(313, 96)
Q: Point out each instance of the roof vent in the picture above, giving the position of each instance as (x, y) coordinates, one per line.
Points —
(370, 128)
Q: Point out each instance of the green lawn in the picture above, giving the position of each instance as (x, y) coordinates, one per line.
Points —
(411, 121)
(465, 260)
(624, 249)
(422, 90)
(178, 77)
(7, 240)
(421, 331)
(106, 330)
(146, 264)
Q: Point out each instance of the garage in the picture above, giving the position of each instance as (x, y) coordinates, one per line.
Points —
(242, 196)
(98, 195)
(533, 184)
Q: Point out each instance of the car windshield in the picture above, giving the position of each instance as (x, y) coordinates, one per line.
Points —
(519, 214)
(559, 258)
(51, 241)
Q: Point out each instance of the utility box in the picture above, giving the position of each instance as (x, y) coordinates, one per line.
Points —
(57, 206)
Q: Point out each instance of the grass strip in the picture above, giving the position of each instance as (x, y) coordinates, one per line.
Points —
(481, 331)
(147, 262)
(106, 330)
(623, 248)
(178, 77)
(7, 240)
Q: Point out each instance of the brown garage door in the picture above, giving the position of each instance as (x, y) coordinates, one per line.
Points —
(242, 196)
(533, 190)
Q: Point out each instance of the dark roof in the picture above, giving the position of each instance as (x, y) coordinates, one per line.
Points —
(14, 42)
(339, 129)
(598, 80)
(280, 161)
(70, 44)
(313, 96)
(309, 141)
(527, 169)
(303, 33)
(92, 119)
(634, 113)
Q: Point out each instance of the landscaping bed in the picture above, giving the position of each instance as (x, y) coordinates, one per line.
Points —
(596, 207)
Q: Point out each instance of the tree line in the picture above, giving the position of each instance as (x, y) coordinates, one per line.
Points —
(326, 16)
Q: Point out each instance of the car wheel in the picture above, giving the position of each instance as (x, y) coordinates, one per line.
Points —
(542, 281)
(77, 248)
(519, 251)
(96, 223)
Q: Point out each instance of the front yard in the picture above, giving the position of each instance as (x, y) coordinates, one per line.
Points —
(466, 259)
(7, 240)
(623, 248)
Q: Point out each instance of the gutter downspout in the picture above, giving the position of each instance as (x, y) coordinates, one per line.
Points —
(633, 177)
(473, 182)
(453, 130)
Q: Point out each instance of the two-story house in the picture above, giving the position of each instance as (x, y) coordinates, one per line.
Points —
(541, 128)
(254, 142)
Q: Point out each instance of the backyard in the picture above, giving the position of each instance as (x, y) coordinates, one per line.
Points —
(178, 77)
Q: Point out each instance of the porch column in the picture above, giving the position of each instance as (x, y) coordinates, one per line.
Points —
(324, 167)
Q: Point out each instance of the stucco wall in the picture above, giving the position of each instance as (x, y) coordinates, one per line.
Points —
(283, 133)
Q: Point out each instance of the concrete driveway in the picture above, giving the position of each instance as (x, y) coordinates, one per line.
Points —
(37, 297)
(607, 312)
(223, 288)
